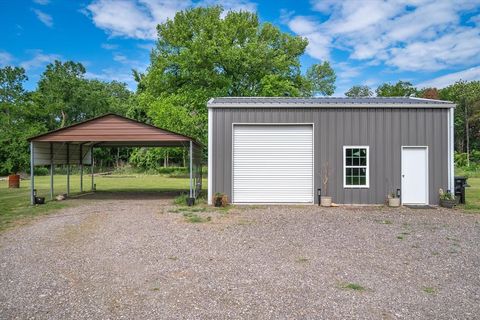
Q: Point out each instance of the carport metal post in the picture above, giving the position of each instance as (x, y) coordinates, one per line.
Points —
(191, 169)
(32, 175)
(51, 170)
(68, 169)
(91, 165)
(81, 167)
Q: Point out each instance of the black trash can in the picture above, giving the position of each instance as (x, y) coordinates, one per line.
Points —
(460, 185)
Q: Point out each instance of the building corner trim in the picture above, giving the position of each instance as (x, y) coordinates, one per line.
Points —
(210, 155)
(451, 148)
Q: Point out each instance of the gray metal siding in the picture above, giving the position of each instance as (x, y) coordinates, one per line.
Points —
(384, 130)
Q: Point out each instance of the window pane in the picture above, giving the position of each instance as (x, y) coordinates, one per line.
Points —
(348, 161)
(356, 152)
(363, 161)
(363, 172)
(356, 161)
(363, 152)
(355, 181)
(363, 181)
(348, 171)
(348, 152)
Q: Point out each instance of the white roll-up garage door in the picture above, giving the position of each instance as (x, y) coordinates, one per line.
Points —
(272, 164)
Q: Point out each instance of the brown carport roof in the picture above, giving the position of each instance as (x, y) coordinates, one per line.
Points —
(114, 130)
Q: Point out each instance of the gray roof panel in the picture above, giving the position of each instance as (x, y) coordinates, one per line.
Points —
(260, 102)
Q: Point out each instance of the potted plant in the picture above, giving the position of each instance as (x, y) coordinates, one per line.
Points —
(393, 200)
(447, 199)
(220, 200)
(326, 201)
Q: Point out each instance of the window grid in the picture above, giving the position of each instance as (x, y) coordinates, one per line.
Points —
(355, 166)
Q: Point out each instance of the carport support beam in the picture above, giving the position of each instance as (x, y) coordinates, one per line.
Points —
(91, 166)
(32, 175)
(191, 169)
(68, 169)
(81, 167)
(51, 171)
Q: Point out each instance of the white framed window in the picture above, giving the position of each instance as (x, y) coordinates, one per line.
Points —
(356, 167)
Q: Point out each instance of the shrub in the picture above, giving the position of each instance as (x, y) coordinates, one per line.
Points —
(181, 199)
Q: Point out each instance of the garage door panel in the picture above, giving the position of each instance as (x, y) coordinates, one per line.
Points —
(273, 164)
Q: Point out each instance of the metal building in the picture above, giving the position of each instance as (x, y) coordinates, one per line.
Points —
(73, 145)
(279, 150)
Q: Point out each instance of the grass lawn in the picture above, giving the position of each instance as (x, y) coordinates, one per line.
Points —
(472, 193)
(15, 203)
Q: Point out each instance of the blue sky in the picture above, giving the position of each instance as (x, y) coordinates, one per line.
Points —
(426, 42)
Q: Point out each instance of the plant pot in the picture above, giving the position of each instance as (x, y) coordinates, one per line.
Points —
(220, 201)
(39, 200)
(394, 202)
(326, 201)
(190, 202)
(14, 181)
(447, 203)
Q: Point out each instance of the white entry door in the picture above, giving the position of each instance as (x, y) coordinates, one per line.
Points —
(272, 164)
(415, 175)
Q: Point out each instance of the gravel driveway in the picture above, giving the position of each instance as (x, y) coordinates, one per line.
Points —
(134, 258)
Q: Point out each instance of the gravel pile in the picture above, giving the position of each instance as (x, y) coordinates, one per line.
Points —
(131, 258)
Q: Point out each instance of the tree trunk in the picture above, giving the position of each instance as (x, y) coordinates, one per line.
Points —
(118, 158)
(64, 118)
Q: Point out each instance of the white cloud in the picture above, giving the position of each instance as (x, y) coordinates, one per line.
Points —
(230, 5)
(139, 18)
(318, 42)
(46, 19)
(42, 2)
(5, 58)
(417, 35)
(448, 79)
(109, 46)
(39, 59)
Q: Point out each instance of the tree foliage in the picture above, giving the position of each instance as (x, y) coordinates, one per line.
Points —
(467, 113)
(68, 97)
(202, 53)
(16, 120)
(399, 89)
(359, 91)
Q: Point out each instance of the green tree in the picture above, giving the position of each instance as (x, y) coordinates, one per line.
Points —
(359, 91)
(58, 93)
(202, 53)
(321, 79)
(467, 114)
(67, 97)
(399, 89)
(17, 120)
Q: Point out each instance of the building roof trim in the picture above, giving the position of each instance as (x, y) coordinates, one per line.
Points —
(327, 102)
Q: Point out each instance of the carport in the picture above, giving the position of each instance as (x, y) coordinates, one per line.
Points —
(73, 145)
